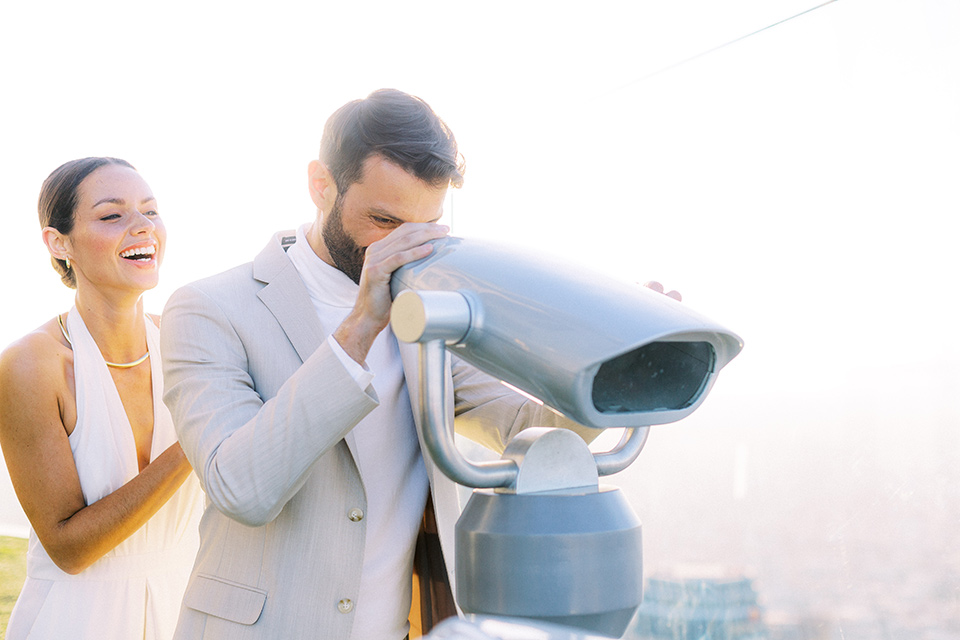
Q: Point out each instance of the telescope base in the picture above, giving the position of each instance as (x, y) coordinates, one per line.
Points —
(567, 558)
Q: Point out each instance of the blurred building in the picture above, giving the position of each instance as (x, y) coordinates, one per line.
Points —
(699, 603)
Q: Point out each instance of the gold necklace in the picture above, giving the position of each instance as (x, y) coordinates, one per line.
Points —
(118, 365)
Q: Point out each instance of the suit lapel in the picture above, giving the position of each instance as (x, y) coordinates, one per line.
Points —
(285, 295)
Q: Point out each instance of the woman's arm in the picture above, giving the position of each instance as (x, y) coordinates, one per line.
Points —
(33, 387)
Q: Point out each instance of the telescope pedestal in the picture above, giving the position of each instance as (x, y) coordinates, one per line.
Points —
(570, 558)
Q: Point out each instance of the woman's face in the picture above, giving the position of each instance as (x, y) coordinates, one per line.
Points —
(118, 239)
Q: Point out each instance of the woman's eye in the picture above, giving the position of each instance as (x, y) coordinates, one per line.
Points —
(152, 212)
(111, 216)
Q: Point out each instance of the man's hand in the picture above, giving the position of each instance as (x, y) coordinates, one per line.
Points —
(371, 313)
(656, 286)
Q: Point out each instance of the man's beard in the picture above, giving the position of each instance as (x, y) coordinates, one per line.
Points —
(345, 253)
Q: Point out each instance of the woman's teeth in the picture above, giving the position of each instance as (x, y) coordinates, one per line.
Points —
(140, 253)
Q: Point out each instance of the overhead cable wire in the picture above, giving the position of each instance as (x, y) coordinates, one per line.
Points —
(718, 47)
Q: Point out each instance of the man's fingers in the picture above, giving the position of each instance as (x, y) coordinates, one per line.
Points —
(656, 286)
(406, 244)
(409, 235)
(386, 263)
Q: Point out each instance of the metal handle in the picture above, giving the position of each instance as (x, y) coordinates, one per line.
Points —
(621, 456)
(438, 431)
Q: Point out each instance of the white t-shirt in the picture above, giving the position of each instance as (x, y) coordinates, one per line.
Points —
(389, 457)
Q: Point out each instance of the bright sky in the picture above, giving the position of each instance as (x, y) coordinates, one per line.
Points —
(798, 186)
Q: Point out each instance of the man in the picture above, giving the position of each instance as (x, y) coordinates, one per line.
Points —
(292, 398)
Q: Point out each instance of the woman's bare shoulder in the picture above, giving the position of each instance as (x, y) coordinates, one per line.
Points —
(37, 355)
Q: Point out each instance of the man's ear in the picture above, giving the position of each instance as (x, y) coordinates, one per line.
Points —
(57, 244)
(323, 188)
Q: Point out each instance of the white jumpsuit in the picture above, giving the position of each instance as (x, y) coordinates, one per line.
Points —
(135, 590)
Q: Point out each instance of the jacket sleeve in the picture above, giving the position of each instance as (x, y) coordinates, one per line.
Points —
(251, 455)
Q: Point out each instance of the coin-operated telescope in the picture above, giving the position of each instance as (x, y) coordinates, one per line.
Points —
(540, 537)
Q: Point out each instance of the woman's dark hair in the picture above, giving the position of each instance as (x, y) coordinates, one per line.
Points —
(58, 201)
(398, 126)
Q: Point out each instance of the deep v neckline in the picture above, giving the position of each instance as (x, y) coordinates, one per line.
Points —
(132, 444)
(125, 438)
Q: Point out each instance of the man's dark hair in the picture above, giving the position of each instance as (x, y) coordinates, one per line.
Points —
(398, 126)
(58, 201)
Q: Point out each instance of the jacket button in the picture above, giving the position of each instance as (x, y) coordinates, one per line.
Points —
(355, 514)
(345, 605)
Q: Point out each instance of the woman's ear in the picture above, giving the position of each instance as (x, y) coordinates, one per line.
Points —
(323, 188)
(57, 243)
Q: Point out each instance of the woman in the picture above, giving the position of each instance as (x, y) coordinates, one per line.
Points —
(91, 450)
